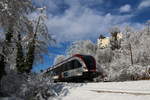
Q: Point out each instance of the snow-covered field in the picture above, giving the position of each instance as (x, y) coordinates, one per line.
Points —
(135, 90)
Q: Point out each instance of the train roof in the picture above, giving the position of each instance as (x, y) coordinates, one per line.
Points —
(56, 65)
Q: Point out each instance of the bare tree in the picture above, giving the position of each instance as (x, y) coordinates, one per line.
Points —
(82, 47)
(37, 42)
(12, 12)
(148, 27)
(131, 54)
(114, 41)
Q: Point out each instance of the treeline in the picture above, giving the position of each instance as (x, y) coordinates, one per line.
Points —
(123, 59)
(23, 40)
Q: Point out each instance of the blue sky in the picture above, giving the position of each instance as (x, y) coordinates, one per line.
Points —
(73, 20)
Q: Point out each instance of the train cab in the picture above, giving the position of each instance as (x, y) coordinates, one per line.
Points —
(77, 67)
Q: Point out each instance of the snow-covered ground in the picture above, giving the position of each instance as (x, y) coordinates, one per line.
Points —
(135, 90)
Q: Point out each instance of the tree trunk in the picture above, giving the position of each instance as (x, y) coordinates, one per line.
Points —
(20, 64)
(130, 48)
(8, 37)
(31, 51)
(2, 66)
(30, 56)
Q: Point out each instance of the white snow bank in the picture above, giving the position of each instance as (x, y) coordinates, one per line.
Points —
(135, 90)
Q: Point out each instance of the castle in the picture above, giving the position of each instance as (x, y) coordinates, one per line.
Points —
(104, 42)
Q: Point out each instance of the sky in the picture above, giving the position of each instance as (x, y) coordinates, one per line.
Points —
(73, 20)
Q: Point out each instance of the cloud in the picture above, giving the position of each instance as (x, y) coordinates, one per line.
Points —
(78, 24)
(125, 8)
(84, 2)
(79, 21)
(144, 4)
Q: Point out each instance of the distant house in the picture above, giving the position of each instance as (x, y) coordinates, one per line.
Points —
(104, 42)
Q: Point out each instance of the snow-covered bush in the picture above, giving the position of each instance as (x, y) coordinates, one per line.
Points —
(104, 55)
(31, 87)
(11, 83)
(82, 47)
(138, 72)
(36, 88)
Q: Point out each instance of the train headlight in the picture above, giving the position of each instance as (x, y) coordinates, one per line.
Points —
(85, 69)
(55, 77)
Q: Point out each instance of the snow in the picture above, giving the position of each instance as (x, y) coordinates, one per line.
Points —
(135, 90)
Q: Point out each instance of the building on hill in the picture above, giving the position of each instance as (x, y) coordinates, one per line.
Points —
(104, 42)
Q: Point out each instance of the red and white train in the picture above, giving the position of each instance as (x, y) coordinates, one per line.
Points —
(76, 68)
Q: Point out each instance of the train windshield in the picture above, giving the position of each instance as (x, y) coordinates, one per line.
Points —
(67, 66)
(89, 61)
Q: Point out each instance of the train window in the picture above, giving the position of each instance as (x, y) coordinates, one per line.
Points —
(71, 65)
(74, 64)
(67, 66)
(58, 70)
(55, 70)
(77, 64)
(89, 61)
(64, 67)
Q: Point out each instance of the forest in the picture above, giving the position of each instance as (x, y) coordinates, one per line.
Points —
(123, 59)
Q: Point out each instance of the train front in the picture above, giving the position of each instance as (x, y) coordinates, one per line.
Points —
(90, 66)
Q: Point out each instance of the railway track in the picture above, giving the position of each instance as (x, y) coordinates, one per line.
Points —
(120, 92)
